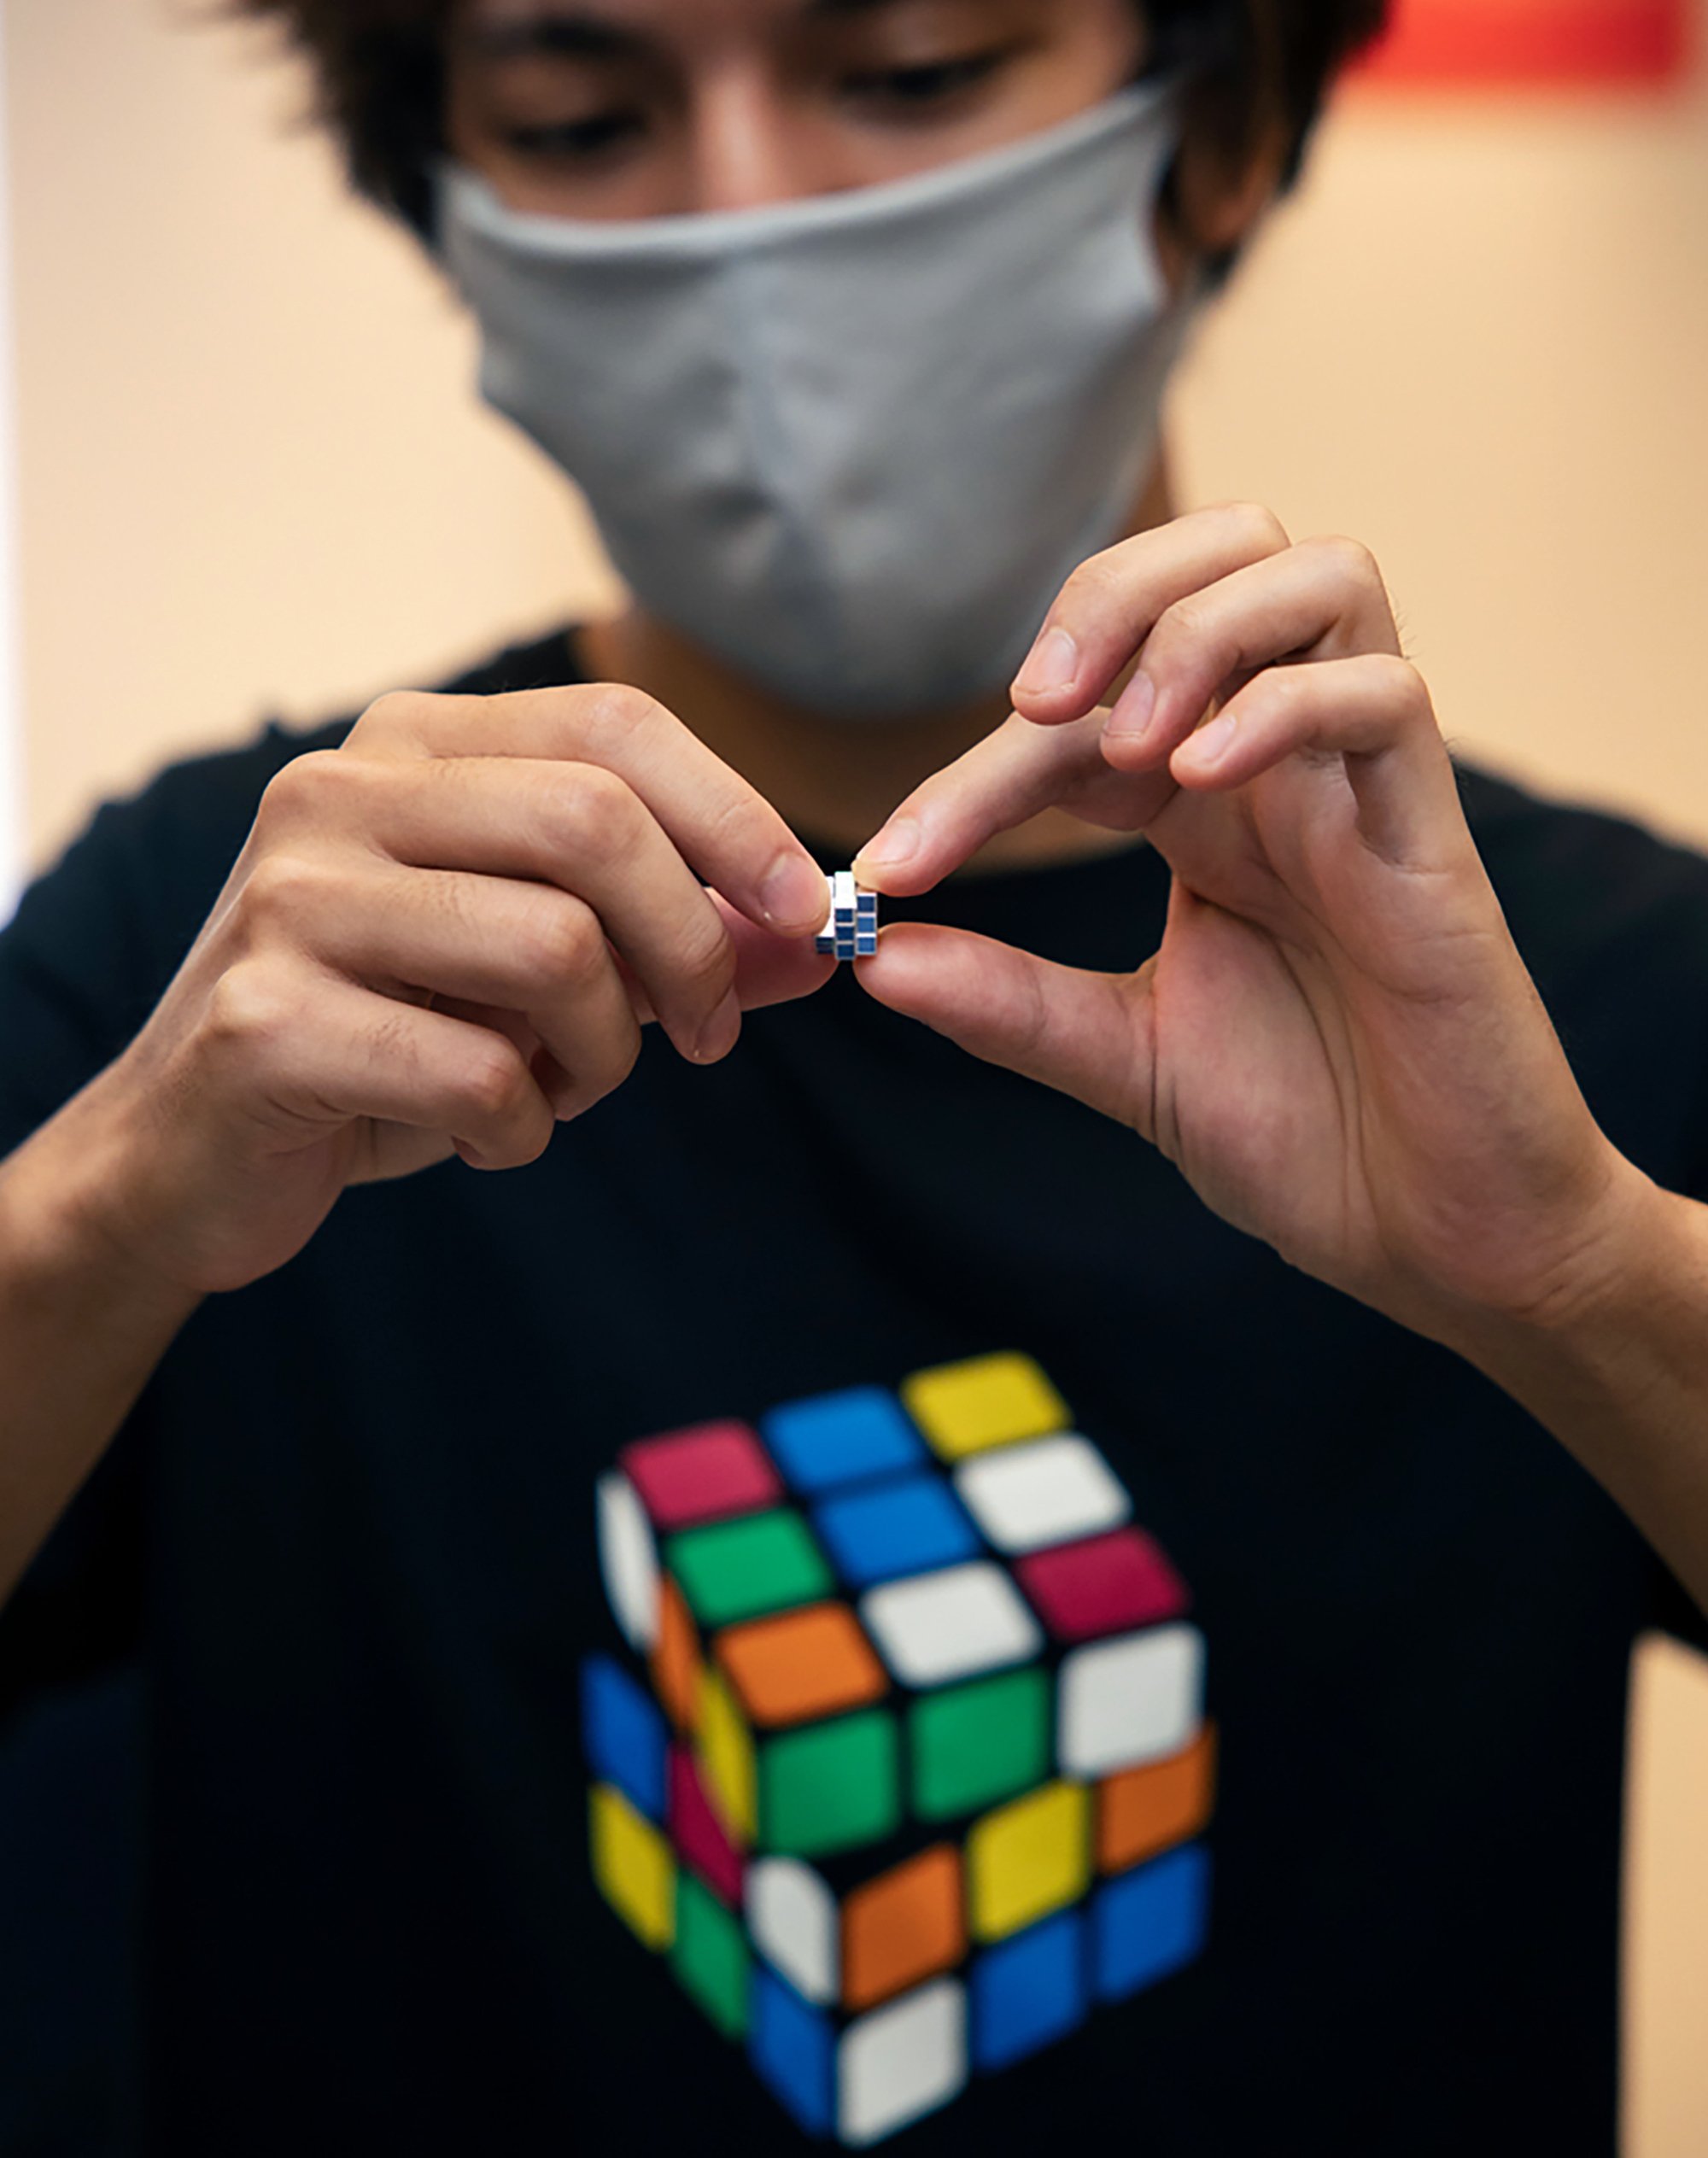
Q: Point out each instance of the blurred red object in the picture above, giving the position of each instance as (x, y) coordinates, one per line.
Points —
(1585, 42)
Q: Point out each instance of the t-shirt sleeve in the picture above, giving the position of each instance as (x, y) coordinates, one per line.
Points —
(91, 951)
(72, 976)
(96, 941)
(83, 962)
(1613, 924)
(1676, 1611)
(72, 971)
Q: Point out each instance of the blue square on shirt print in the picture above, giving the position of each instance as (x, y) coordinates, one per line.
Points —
(793, 2049)
(832, 1440)
(889, 1530)
(624, 1734)
(1026, 1993)
(1150, 1922)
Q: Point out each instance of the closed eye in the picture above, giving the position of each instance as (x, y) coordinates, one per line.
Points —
(922, 88)
(571, 141)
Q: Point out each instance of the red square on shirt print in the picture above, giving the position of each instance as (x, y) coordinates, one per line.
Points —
(1590, 42)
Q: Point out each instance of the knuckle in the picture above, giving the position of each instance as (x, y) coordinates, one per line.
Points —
(395, 712)
(612, 712)
(1407, 688)
(1284, 690)
(622, 1053)
(1187, 622)
(248, 1010)
(607, 1066)
(1256, 526)
(740, 822)
(564, 943)
(495, 1084)
(302, 791)
(1350, 559)
(389, 1043)
(280, 891)
(707, 961)
(1095, 582)
(1031, 1021)
(592, 814)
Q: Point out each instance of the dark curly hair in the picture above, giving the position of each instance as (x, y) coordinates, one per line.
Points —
(380, 69)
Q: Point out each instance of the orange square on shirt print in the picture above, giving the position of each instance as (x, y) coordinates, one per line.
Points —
(1512, 44)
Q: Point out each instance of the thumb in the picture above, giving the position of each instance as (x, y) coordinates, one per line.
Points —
(1086, 1034)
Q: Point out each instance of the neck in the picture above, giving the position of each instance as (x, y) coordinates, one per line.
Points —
(835, 782)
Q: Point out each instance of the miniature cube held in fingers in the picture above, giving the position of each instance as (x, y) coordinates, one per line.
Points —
(902, 1763)
(852, 930)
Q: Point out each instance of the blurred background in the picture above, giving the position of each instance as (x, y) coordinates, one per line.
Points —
(251, 479)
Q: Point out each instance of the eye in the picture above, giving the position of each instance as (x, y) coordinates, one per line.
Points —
(920, 88)
(576, 141)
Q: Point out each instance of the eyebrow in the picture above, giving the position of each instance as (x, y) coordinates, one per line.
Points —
(582, 34)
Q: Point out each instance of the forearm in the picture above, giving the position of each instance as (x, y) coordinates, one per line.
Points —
(1617, 1369)
(82, 1327)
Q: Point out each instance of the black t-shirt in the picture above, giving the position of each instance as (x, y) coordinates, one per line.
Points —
(863, 1772)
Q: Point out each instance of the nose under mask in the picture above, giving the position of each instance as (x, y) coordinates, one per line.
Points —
(853, 446)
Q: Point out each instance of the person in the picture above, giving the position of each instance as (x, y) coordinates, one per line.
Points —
(372, 1206)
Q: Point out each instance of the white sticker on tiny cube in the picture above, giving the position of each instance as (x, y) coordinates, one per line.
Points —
(940, 1627)
(792, 1916)
(1126, 1702)
(628, 1560)
(1054, 1491)
(902, 2062)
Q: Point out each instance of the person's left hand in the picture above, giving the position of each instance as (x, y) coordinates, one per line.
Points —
(1337, 1041)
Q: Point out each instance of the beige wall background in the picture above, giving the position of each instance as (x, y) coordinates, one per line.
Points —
(252, 480)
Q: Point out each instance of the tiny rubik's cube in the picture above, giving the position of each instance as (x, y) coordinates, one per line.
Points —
(852, 930)
(904, 1767)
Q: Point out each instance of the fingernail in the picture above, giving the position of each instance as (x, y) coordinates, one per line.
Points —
(1212, 743)
(721, 1032)
(794, 894)
(896, 843)
(1053, 664)
(1135, 709)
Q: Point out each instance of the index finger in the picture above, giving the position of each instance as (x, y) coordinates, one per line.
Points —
(725, 829)
(1002, 782)
(1111, 603)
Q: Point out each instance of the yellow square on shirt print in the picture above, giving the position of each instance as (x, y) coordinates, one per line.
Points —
(903, 1763)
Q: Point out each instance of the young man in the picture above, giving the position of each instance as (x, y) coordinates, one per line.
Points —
(635, 1655)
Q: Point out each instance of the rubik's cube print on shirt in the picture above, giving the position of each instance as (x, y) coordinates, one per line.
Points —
(902, 1766)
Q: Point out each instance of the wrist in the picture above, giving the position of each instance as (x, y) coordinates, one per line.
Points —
(1620, 1262)
(68, 1224)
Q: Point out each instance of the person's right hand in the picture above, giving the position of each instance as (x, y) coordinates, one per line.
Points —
(444, 936)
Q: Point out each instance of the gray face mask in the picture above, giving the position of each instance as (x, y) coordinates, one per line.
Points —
(852, 445)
